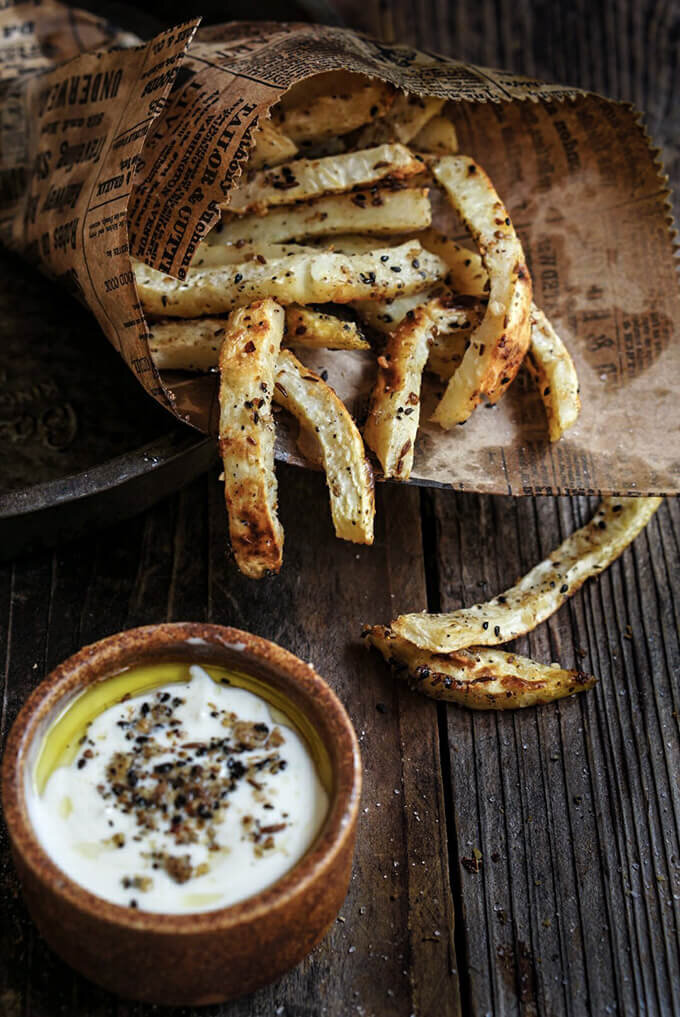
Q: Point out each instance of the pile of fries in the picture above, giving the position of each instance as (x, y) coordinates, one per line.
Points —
(328, 242)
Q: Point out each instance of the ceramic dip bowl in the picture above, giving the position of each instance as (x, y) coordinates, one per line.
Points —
(207, 956)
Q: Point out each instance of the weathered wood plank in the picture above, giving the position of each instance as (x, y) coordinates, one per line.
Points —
(393, 950)
(574, 807)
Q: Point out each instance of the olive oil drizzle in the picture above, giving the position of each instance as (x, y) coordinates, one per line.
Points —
(63, 739)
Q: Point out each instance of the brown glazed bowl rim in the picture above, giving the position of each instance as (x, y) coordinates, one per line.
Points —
(104, 659)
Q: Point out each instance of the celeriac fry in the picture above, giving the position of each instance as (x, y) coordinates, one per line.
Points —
(271, 146)
(347, 102)
(248, 359)
(318, 278)
(309, 447)
(550, 365)
(377, 210)
(220, 255)
(386, 315)
(437, 137)
(586, 553)
(500, 341)
(304, 179)
(466, 270)
(392, 422)
(547, 360)
(348, 472)
(308, 327)
(193, 344)
(406, 117)
(478, 678)
(446, 352)
(353, 243)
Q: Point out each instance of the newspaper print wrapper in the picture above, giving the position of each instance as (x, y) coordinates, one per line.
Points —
(109, 149)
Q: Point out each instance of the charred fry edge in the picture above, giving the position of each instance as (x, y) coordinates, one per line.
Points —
(500, 341)
(248, 358)
(478, 678)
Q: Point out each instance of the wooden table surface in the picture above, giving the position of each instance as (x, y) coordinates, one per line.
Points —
(573, 809)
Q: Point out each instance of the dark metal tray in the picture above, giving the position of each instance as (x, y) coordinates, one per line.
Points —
(81, 444)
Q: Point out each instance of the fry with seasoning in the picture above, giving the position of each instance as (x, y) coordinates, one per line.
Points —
(327, 242)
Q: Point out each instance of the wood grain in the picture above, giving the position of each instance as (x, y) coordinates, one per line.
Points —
(392, 950)
(575, 808)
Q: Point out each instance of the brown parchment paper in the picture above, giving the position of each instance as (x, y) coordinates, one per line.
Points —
(106, 152)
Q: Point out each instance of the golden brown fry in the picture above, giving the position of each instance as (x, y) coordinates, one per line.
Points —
(466, 269)
(406, 117)
(305, 179)
(193, 344)
(248, 359)
(222, 255)
(376, 211)
(499, 343)
(354, 243)
(547, 360)
(332, 103)
(437, 137)
(309, 278)
(319, 330)
(478, 678)
(271, 146)
(392, 422)
(447, 352)
(308, 446)
(386, 315)
(518, 610)
(348, 472)
(550, 365)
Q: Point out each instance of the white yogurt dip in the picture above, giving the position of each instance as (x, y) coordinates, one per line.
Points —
(188, 797)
